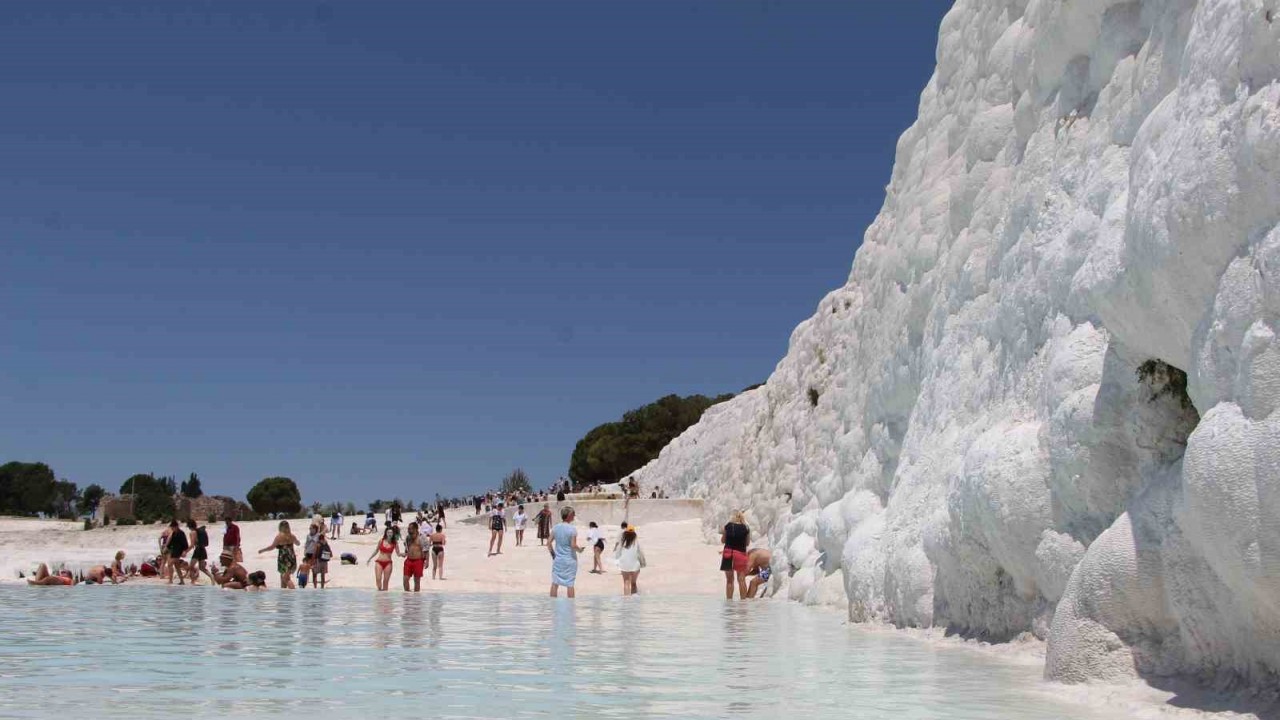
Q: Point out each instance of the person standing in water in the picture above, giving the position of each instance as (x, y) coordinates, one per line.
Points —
(630, 560)
(521, 519)
(564, 550)
(544, 523)
(437, 551)
(733, 559)
(415, 557)
(497, 528)
(387, 547)
(286, 557)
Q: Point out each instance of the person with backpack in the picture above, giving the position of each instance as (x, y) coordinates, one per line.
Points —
(200, 541)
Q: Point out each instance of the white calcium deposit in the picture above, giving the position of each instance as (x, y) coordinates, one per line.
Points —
(960, 436)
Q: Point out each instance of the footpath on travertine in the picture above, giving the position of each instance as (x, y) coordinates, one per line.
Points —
(680, 561)
(612, 512)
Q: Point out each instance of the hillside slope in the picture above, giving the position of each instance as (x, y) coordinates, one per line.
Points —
(961, 435)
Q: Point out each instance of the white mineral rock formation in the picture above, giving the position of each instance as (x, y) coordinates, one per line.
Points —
(961, 435)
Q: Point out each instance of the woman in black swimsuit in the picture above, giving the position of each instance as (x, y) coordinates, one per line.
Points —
(437, 551)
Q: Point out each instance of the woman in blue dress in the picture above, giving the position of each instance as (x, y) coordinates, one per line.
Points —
(564, 552)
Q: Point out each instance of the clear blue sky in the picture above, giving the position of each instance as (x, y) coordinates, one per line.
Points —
(402, 248)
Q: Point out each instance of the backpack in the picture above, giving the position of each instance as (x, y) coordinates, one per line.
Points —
(202, 537)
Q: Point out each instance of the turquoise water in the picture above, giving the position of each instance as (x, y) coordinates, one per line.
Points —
(159, 652)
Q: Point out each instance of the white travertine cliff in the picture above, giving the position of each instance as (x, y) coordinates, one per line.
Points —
(961, 437)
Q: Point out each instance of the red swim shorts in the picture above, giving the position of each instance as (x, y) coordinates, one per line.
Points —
(413, 568)
(735, 560)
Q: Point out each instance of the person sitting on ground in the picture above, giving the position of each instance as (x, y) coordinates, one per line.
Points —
(118, 575)
(232, 574)
(44, 577)
(759, 569)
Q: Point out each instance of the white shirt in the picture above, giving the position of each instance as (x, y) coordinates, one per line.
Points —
(630, 558)
(593, 535)
(521, 519)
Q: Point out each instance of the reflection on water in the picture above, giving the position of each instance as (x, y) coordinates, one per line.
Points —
(161, 652)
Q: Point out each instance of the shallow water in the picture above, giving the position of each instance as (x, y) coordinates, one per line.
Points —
(160, 652)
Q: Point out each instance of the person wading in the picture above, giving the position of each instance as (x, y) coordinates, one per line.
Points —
(733, 559)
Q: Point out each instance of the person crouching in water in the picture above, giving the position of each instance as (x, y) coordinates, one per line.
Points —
(759, 569)
(415, 557)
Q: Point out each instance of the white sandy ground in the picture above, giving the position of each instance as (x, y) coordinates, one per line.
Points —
(680, 562)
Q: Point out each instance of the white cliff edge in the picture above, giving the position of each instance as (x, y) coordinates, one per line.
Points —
(960, 436)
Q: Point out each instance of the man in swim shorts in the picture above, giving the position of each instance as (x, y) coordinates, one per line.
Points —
(415, 558)
(759, 569)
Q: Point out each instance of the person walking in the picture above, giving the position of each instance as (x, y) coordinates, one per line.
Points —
(200, 555)
(335, 523)
(497, 528)
(521, 519)
(595, 541)
(386, 548)
(544, 523)
(177, 546)
(733, 559)
(437, 551)
(415, 557)
(630, 560)
(286, 557)
(564, 550)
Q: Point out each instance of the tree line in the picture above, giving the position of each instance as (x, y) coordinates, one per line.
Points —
(614, 450)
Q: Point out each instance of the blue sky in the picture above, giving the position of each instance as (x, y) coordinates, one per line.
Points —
(402, 248)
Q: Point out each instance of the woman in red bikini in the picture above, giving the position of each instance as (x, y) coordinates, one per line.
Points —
(387, 547)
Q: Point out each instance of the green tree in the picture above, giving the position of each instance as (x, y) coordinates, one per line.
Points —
(27, 488)
(516, 482)
(91, 498)
(275, 495)
(152, 496)
(191, 487)
(65, 499)
(614, 450)
(349, 509)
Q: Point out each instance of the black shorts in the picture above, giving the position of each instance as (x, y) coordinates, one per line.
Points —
(600, 544)
(200, 554)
